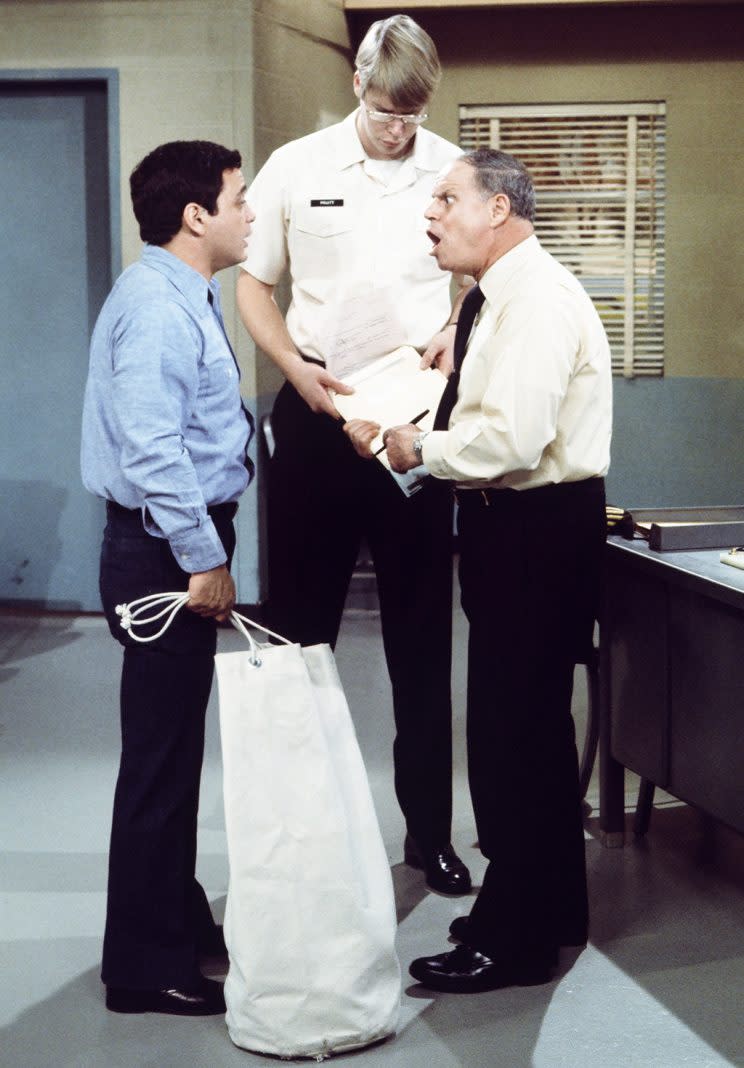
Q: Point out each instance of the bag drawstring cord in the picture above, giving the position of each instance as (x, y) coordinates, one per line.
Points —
(131, 616)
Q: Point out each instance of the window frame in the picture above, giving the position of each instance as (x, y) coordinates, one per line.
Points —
(629, 295)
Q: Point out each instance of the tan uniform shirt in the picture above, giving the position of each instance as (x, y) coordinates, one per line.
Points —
(348, 234)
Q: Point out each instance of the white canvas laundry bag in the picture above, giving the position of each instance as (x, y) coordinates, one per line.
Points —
(310, 919)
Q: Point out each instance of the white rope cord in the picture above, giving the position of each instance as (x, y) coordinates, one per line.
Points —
(132, 613)
(132, 617)
(241, 622)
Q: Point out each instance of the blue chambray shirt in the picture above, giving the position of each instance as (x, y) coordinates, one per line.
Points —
(164, 427)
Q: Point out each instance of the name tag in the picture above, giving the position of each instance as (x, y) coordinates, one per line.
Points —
(327, 202)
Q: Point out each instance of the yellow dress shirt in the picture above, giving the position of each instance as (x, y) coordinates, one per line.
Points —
(534, 403)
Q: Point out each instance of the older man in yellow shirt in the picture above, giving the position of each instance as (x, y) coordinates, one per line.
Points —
(526, 446)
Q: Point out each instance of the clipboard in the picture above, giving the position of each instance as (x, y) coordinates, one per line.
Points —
(391, 391)
(394, 390)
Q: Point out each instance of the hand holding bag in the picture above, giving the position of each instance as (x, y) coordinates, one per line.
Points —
(310, 920)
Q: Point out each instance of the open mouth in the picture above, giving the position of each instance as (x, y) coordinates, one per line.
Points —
(433, 238)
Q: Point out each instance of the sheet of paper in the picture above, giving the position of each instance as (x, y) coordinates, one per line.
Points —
(391, 391)
(360, 329)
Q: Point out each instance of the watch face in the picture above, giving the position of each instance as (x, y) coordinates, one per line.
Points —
(417, 444)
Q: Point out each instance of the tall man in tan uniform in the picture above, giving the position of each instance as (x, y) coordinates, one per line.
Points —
(341, 210)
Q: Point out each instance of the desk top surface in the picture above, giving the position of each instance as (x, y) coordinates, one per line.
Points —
(700, 569)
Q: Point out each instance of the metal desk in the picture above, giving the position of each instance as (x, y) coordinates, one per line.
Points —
(671, 680)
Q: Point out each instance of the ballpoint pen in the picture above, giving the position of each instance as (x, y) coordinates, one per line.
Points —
(415, 420)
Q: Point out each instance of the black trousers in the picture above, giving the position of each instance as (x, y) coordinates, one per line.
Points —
(157, 913)
(530, 568)
(323, 499)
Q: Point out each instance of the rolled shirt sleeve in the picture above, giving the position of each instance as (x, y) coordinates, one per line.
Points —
(267, 257)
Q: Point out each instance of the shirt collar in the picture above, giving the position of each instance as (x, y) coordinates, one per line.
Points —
(187, 281)
(349, 148)
(498, 274)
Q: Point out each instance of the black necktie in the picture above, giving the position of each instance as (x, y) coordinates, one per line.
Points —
(470, 308)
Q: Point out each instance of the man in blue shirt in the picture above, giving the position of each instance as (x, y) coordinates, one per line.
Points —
(164, 443)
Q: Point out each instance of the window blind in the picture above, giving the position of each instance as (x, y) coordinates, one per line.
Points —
(599, 174)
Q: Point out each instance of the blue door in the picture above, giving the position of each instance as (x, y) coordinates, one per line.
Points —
(55, 271)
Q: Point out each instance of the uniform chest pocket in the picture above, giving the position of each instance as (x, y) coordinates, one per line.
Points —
(324, 219)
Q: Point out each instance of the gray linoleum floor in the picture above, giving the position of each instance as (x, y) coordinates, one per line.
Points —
(660, 984)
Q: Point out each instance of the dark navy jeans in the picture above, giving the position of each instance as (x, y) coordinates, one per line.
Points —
(157, 913)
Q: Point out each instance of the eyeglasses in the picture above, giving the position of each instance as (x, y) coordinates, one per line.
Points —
(386, 118)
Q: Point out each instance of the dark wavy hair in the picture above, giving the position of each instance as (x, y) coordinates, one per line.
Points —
(498, 172)
(172, 176)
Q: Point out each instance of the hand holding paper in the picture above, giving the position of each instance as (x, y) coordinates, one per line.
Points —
(440, 352)
(314, 384)
(361, 433)
(390, 392)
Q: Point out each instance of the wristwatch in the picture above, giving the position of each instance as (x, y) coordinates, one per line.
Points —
(418, 441)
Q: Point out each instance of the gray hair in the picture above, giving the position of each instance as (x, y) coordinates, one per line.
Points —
(399, 59)
(498, 172)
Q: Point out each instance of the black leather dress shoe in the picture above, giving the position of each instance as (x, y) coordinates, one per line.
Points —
(459, 930)
(443, 869)
(205, 999)
(466, 971)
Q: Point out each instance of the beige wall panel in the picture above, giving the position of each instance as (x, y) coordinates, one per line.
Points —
(158, 35)
(301, 83)
(292, 116)
(300, 62)
(162, 93)
(323, 20)
(711, 104)
(705, 275)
